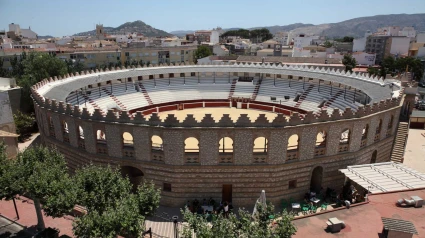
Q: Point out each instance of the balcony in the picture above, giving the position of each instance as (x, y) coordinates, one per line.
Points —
(191, 157)
(260, 158)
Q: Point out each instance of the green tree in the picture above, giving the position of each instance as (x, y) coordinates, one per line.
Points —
(24, 125)
(3, 72)
(41, 174)
(74, 66)
(112, 208)
(202, 52)
(327, 44)
(245, 225)
(349, 62)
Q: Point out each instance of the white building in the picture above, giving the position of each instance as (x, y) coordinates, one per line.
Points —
(408, 31)
(220, 50)
(363, 58)
(215, 37)
(360, 44)
(400, 45)
(300, 42)
(389, 30)
(281, 37)
(22, 33)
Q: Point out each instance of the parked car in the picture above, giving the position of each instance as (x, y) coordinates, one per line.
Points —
(421, 84)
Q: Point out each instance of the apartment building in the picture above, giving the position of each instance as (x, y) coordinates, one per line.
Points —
(158, 55)
(212, 36)
(384, 45)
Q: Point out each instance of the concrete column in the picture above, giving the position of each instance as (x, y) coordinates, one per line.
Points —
(243, 147)
(173, 147)
(114, 140)
(89, 138)
(277, 147)
(142, 143)
(307, 143)
(208, 147)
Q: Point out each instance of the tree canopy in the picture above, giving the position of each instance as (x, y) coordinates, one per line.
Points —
(202, 52)
(41, 174)
(345, 39)
(25, 124)
(349, 62)
(400, 65)
(245, 225)
(112, 209)
(257, 35)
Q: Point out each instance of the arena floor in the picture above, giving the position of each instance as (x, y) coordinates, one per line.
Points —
(217, 113)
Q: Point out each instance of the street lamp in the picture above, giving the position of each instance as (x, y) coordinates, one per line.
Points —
(176, 233)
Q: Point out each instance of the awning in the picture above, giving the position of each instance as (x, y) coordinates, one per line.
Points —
(385, 177)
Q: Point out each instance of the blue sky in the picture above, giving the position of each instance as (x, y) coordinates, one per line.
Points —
(60, 17)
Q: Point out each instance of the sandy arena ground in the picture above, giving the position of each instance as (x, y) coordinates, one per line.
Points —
(414, 156)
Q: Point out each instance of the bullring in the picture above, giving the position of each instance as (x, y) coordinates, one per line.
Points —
(326, 119)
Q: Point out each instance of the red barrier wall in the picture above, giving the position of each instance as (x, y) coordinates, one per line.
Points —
(192, 105)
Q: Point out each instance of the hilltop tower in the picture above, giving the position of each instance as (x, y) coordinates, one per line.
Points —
(100, 34)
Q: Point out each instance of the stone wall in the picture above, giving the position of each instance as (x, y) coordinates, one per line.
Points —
(206, 177)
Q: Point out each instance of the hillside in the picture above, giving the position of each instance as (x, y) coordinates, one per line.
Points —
(355, 27)
(136, 26)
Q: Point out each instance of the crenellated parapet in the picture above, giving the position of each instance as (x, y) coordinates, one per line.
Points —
(171, 120)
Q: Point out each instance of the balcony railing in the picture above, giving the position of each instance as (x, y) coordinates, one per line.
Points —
(128, 152)
(66, 137)
(343, 147)
(225, 158)
(157, 156)
(191, 157)
(260, 158)
(81, 143)
(102, 148)
(363, 142)
(292, 154)
(320, 151)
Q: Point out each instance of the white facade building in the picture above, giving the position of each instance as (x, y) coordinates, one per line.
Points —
(389, 30)
(408, 31)
(281, 37)
(360, 44)
(215, 37)
(400, 45)
(364, 58)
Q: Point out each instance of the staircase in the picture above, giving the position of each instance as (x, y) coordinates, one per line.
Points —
(232, 89)
(93, 103)
(145, 94)
(328, 103)
(257, 88)
(303, 96)
(115, 99)
(400, 140)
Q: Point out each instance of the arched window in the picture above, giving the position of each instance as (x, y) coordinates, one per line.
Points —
(51, 125)
(293, 142)
(390, 123)
(100, 136)
(157, 143)
(65, 127)
(81, 132)
(365, 131)
(127, 139)
(374, 155)
(344, 141)
(321, 139)
(320, 149)
(345, 136)
(225, 145)
(191, 145)
(260, 145)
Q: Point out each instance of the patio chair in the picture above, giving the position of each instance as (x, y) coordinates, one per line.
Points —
(304, 208)
(313, 209)
(324, 206)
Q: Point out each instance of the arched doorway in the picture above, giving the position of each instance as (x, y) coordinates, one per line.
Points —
(135, 175)
(373, 159)
(316, 179)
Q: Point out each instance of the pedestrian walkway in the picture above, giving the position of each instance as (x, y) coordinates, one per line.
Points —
(28, 218)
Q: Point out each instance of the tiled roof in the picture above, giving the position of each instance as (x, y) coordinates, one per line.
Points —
(392, 224)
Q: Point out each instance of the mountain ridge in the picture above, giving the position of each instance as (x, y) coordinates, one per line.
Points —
(355, 27)
(135, 26)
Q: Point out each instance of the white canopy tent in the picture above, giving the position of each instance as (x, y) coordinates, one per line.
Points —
(385, 177)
